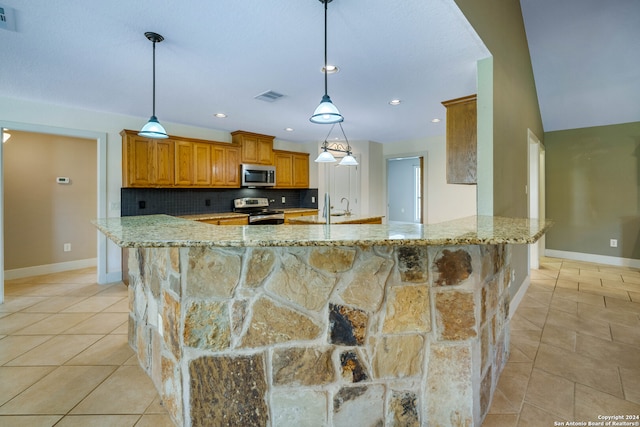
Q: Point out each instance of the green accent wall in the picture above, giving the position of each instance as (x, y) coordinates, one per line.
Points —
(593, 189)
(500, 25)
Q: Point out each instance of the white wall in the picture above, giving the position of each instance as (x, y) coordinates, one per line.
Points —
(443, 201)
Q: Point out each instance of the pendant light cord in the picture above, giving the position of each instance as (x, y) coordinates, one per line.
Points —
(154, 78)
(326, 2)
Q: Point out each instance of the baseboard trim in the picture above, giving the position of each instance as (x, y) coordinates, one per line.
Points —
(598, 259)
(39, 270)
(517, 298)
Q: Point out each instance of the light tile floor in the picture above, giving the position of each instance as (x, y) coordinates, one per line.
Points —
(65, 360)
(575, 348)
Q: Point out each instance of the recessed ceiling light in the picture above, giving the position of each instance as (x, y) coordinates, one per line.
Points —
(395, 102)
(220, 115)
(435, 121)
(331, 69)
(289, 129)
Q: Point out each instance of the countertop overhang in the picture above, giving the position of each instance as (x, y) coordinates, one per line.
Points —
(153, 231)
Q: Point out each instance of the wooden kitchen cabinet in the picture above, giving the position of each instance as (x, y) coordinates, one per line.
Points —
(256, 149)
(461, 140)
(289, 215)
(226, 165)
(146, 162)
(227, 221)
(292, 169)
(193, 164)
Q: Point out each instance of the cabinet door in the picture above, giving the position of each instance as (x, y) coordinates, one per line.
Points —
(255, 148)
(461, 140)
(265, 151)
(184, 163)
(137, 162)
(284, 168)
(202, 164)
(218, 163)
(300, 170)
(232, 167)
(164, 152)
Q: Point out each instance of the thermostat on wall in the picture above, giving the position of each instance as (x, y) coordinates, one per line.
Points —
(63, 180)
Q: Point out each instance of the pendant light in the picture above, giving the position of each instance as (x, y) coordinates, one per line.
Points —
(153, 128)
(326, 157)
(326, 112)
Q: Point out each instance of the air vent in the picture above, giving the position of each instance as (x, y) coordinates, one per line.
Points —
(269, 96)
(7, 18)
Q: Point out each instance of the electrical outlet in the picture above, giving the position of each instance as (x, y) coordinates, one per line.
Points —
(284, 199)
(67, 247)
(613, 243)
(313, 199)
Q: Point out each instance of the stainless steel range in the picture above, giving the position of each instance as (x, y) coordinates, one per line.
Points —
(258, 210)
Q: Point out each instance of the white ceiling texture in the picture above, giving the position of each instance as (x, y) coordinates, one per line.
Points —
(218, 55)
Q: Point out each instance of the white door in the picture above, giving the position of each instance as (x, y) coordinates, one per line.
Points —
(344, 186)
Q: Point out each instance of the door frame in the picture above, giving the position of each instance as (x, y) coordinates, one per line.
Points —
(423, 156)
(535, 192)
(101, 208)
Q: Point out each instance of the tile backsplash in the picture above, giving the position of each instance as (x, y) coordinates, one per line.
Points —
(190, 201)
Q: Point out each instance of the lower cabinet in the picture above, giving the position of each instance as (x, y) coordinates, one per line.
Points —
(227, 221)
(289, 215)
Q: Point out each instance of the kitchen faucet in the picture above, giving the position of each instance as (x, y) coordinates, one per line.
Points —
(347, 211)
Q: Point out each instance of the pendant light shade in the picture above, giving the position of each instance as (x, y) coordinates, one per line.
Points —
(153, 128)
(348, 160)
(325, 157)
(326, 112)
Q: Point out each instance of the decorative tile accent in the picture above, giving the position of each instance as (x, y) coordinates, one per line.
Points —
(260, 264)
(403, 409)
(347, 325)
(332, 260)
(408, 310)
(272, 324)
(299, 283)
(413, 264)
(455, 315)
(219, 392)
(363, 286)
(352, 368)
(397, 356)
(206, 326)
(212, 273)
(302, 366)
(453, 267)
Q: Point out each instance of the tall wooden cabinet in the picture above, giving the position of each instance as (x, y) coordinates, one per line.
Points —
(257, 149)
(461, 140)
(226, 165)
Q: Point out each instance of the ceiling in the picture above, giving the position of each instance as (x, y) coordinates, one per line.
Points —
(585, 61)
(217, 56)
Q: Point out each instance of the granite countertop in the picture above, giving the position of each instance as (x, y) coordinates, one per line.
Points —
(337, 219)
(168, 231)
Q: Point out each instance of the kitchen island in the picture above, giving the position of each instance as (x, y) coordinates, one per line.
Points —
(321, 325)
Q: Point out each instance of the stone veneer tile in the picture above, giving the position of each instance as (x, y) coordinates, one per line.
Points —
(171, 390)
(403, 409)
(408, 310)
(493, 259)
(413, 263)
(397, 356)
(302, 366)
(171, 324)
(259, 266)
(363, 286)
(365, 401)
(455, 315)
(271, 323)
(453, 267)
(332, 260)
(301, 284)
(220, 396)
(490, 292)
(304, 408)
(212, 273)
(206, 325)
(143, 345)
(174, 259)
(485, 391)
(449, 377)
(239, 312)
(347, 325)
(352, 367)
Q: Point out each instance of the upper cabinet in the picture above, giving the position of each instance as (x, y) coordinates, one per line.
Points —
(461, 140)
(146, 162)
(292, 169)
(226, 165)
(256, 149)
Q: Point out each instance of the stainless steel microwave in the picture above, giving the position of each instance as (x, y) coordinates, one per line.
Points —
(258, 176)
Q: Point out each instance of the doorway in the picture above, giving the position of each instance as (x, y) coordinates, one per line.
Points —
(536, 192)
(405, 190)
(101, 190)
